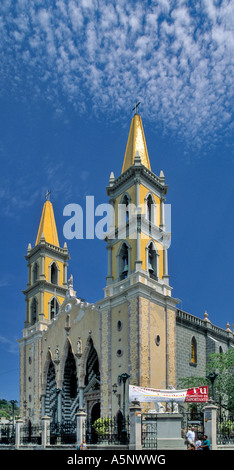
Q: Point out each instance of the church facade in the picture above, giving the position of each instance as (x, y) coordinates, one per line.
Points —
(74, 354)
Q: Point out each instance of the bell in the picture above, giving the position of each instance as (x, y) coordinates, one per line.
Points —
(125, 270)
(150, 268)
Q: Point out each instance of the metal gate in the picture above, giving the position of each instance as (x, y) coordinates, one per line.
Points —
(7, 433)
(107, 431)
(149, 431)
(193, 419)
(63, 433)
(30, 434)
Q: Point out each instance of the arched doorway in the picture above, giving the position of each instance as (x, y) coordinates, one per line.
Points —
(92, 385)
(50, 398)
(95, 414)
(70, 396)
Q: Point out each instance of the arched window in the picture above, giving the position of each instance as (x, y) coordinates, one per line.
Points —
(92, 365)
(54, 308)
(125, 202)
(33, 311)
(70, 395)
(54, 274)
(35, 272)
(193, 351)
(123, 262)
(149, 208)
(50, 398)
(152, 261)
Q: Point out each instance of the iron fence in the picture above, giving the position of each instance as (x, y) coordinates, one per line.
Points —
(195, 419)
(7, 433)
(225, 431)
(63, 433)
(108, 431)
(149, 430)
(30, 434)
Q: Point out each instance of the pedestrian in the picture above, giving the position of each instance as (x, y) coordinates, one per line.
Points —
(191, 446)
(83, 445)
(206, 443)
(198, 443)
(190, 436)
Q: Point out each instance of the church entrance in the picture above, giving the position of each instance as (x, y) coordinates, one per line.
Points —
(70, 396)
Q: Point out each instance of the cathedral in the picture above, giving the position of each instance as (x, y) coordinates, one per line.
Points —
(76, 355)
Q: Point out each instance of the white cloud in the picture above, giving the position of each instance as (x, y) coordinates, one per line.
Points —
(9, 345)
(176, 56)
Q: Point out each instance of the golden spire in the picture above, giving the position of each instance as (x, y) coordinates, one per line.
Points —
(136, 142)
(47, 228)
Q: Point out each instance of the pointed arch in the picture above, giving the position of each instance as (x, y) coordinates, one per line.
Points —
(69, 383)
(54, 306)
(90, 363)
(54, 272)
(152, 260)
(150, 208)
(124, 260)
(64, 354)
(126, 201)
(34, 310)
(45, 370)
(49, 387)
(35, 272)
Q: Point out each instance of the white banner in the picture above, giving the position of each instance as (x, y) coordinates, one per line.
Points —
(141, 394)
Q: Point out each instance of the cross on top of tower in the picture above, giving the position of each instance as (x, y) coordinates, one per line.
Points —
(136, 107)
(48, 195)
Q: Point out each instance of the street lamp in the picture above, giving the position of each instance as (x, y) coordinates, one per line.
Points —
(123, 378)
(13, 402)
(212, 376)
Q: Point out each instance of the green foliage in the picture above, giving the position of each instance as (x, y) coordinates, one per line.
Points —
(227, 427)
(6, 409)
(101, 426)
(223, 365)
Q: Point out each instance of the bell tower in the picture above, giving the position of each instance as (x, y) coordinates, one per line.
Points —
(138, 241)
(47, 271)
(138, 310)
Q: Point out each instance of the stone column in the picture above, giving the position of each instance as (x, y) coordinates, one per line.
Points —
(109, 277)
(42, 275)
(80, 426)
(81, 398)
(59, 405)
(41, 306)
(42, 405)
(18, 425)
(135, 425)
(45, 438)
(210, 424)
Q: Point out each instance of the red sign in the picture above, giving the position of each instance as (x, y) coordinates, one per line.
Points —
(197, 394)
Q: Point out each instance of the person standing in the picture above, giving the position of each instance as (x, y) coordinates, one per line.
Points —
(83, 445)
(190, 436)
(206, 443)
(198, 443)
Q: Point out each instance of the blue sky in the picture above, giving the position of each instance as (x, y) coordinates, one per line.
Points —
(69, 76)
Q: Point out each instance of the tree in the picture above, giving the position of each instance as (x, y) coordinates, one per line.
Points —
(6, 409)
(223, 365)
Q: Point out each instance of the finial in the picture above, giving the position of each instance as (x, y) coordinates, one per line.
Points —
(136, 106)
(48, 195)
(206, 317)
(112, 179)
(137, 159)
